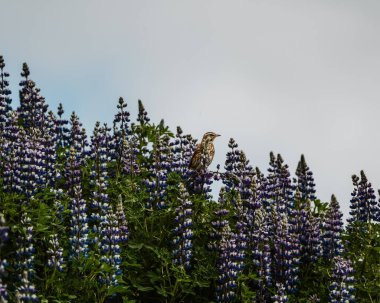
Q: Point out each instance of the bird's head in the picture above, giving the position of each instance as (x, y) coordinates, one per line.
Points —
(209, 136)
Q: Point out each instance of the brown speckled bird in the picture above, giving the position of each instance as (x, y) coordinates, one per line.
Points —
(204, 152)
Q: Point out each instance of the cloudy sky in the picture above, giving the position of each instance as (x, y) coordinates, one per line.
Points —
(290, 77)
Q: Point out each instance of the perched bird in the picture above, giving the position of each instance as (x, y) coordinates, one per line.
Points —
(204, 152)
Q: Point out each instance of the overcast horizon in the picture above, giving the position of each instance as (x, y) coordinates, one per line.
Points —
(294, 77)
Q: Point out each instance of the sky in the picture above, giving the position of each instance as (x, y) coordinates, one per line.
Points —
(292, 77)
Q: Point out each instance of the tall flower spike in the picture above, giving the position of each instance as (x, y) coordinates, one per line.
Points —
(122, 222)
(3, 263)
(364, 207)
(182, 148)
(239, 174)
(55, 254)
(109, 233)
(62, 128)
(158, 173)
(342, 282)
(5, 107)
(305, 180)
(32, 107)
(143, 114)
(26, 291)
(12, 150)
(332, 230)
(183, 233)
(100, 207)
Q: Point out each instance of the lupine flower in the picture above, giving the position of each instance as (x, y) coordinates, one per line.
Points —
(31, 153)
(12, 151)
(302, 220)
(305, 180)
(78, 225)
(5, 99)
(239, 174)
(109, 247)
(26, 292)
(280, 296)
(3, 263)
(62, 128)
(121, 134)
(182, 148)
(183, 233)
(220, 223)
(230, 257)
(55, 254)
(73, 175)
(25, 262)
(122, 222)
(5, 109)
(99, 175)
(342, 282)
(364, 207)
(105, 223)
(158, 173)
(279, 184)
(50, 144)
(139, 131)
(332, 229)
(32, 105)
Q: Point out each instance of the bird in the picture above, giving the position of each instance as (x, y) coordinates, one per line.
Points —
(203, 153)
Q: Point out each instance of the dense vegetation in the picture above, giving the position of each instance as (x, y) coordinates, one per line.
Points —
(119, 217)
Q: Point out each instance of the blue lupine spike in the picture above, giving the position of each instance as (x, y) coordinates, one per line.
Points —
(332, 230)
(341, 287)
(183, 233)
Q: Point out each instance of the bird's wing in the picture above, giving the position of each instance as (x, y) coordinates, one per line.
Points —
(194, 159)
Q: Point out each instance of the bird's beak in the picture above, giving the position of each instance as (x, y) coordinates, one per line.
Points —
(217, 135)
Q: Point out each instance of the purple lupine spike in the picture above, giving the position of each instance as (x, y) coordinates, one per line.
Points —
(332, 230)
(341, 288)
(76, 157)
(121, 134)
(305, 180)
(226, 242)
(364, 207)
(109, 236)
(142, 115)
(32, 107)
(286, 253)
(62, 128)
(26, 292)
(280, 189)
(183, 233)
(78, 139)
(5, 99)
(31, 153)
(25, 262)
(5, 110)
(158, 173)
(280, 295)
(122, 222)
(182, 148)
(78, 220)
(55, 254)
(220, 222)
(239, 174)
(99, 175)
(308, 230)
(50, 143)
(129, 157)
(3, 263)
(12, 167)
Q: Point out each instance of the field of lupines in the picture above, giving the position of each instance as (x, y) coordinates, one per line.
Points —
(119, 217)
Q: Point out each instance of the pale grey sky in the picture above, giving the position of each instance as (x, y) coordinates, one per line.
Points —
(290, 77)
